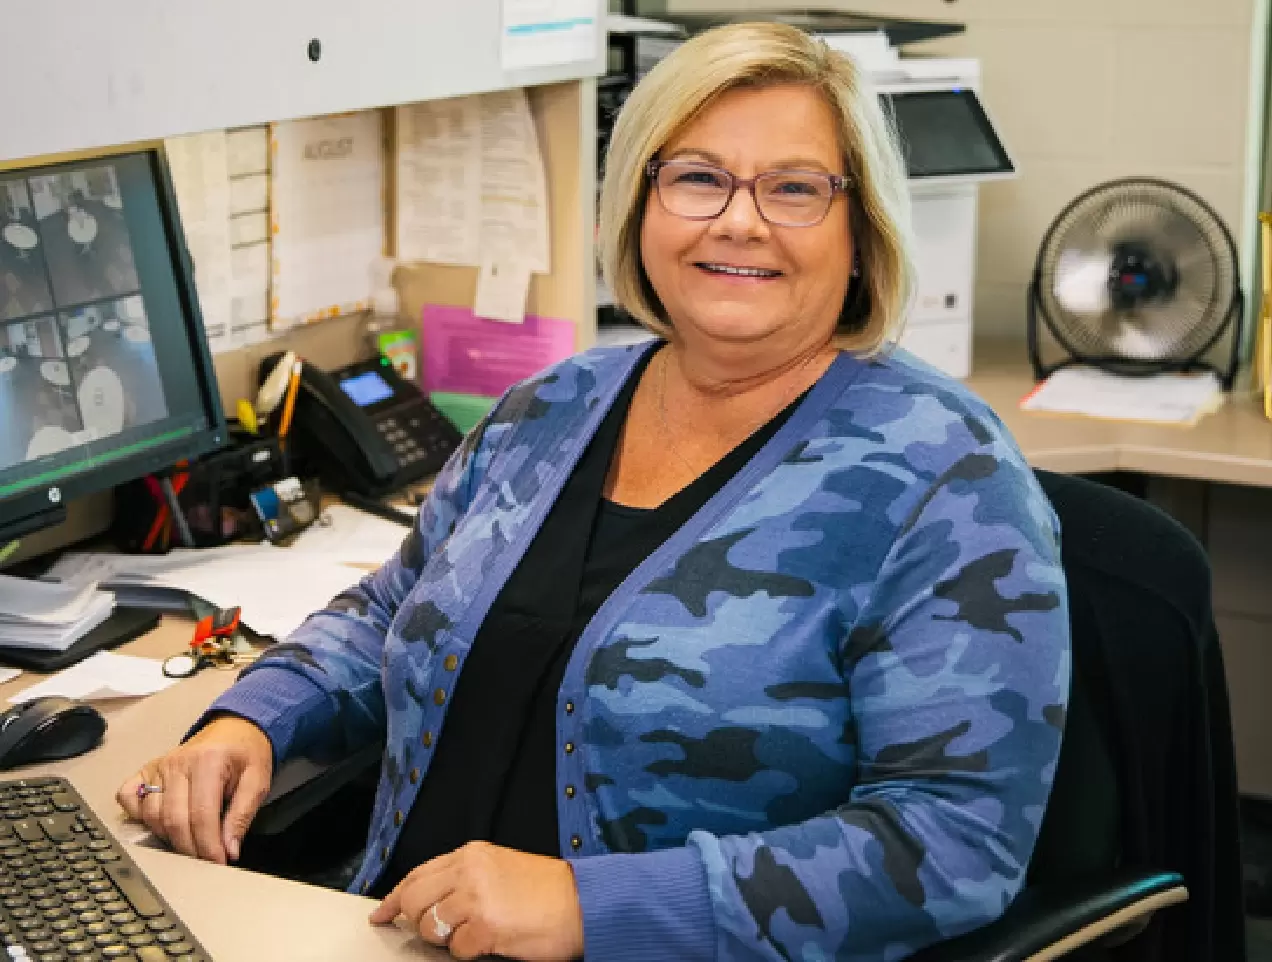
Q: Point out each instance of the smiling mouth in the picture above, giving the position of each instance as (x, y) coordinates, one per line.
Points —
(730, 270)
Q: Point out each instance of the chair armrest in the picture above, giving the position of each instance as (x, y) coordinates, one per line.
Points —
(1043, 924)
(303, 784)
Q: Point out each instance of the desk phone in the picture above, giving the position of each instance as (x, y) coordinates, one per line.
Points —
(366, 429)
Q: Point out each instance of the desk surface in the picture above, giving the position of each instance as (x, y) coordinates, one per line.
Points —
(237, 915)
(1231, 446)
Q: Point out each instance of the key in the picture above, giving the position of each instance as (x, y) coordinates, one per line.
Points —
(133, 887)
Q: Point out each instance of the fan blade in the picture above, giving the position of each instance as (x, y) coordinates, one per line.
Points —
(1136, 338)
(1081, 284)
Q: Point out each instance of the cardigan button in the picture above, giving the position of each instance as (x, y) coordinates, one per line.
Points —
(366, 886)
(569, 748)
(384, 854)
(569, 708)
(397, 818)
(576, 843)
(415, 775)
(427, 739)
(439, 697)
(452, 662)
(569, 791)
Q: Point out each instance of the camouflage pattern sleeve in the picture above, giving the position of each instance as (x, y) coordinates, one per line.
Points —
(320, 689)
(957, 670)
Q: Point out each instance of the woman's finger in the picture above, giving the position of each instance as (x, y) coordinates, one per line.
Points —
(127, 795)
(207, 795)
(176, 810)
(391, 907)
(150, 809)
(441, 923)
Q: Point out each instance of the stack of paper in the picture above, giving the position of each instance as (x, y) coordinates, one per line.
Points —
(40, 614)
(1181, 399)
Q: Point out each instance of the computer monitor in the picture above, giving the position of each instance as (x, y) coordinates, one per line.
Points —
(946, 133)
(105, 373)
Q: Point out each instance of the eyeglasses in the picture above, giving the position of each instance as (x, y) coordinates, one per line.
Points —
(784, 198)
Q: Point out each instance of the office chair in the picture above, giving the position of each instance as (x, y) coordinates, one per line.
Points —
(1105, 881)
(1138, 857)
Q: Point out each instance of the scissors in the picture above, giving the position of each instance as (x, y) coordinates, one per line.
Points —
(212, 644)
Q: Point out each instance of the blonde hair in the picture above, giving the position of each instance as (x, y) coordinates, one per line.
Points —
(688, 81)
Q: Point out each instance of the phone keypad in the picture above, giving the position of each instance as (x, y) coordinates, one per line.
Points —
(418, 435)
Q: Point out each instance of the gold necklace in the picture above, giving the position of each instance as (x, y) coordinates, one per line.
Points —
(666, 426)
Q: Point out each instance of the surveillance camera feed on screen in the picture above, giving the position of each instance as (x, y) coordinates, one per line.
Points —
(96, 359)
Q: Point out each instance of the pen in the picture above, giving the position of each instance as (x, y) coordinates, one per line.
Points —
(289, 405)
(178, 516)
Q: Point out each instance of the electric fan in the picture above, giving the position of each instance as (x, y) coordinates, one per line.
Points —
(1136, 277)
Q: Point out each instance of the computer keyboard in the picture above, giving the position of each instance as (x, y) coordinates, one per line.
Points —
(68, 890)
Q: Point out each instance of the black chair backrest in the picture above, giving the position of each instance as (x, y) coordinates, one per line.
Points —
(1146, 776)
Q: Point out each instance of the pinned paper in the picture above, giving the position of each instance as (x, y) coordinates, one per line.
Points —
(542, 33)
(514, 189)
(502, 291)
(327, 212)
(438, 181)
(201, 181)
(471, 355)
(470, 183)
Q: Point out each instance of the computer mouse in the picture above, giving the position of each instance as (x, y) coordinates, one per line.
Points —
(46, 729)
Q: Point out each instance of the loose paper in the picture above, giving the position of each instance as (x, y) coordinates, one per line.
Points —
(439, 181)
(327, 213)
(101, 676)
(201, 180)
(543, 33)
(349, 536)
(1181, 399)
(514, 190)
(471, 355)
(502, 291)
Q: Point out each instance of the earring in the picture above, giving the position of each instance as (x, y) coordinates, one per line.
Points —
(856, 265)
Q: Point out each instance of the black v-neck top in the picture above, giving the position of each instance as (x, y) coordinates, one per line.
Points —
(493, 777)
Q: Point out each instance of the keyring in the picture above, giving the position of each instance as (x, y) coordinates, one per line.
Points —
(183, 665)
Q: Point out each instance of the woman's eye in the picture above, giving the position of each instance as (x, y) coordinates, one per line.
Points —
(699, 178)
(801, 188)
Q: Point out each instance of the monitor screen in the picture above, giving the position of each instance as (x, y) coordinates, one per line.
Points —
(945, 133)
(367, 388)
(104, 367)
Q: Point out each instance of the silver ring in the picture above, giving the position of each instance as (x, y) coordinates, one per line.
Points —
(143, 790)
(440, 928)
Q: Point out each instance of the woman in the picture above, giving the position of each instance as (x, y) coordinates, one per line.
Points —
(734, 645)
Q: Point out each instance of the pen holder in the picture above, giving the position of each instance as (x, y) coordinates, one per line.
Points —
(213, 493)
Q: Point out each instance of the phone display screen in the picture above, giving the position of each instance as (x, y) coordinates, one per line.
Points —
(366, 388)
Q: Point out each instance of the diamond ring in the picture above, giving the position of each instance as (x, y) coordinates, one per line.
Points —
(441, 929)
(143, 790)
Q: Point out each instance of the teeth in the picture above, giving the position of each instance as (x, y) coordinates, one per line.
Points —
(741, 271)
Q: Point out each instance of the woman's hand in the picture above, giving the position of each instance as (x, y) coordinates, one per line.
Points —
(230, 760)
(486, 900)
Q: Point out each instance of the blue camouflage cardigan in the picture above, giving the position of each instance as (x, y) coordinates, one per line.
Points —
(820, 721)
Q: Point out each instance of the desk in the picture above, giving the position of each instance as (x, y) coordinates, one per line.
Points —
(1231, 446)
(238, 916)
